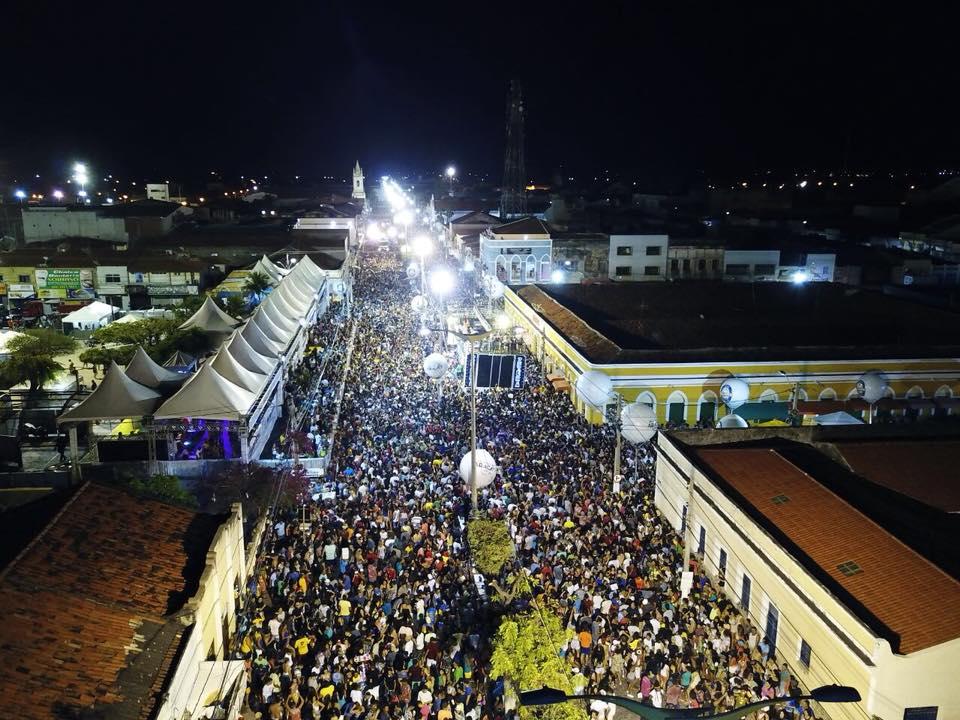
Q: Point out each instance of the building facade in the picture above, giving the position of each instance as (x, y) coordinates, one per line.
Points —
(636, 258)
(518, 252)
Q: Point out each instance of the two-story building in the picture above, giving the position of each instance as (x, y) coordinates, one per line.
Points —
(518, 252)
(638, 257)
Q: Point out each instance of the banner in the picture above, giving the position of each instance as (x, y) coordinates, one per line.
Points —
(64, 278)
(172, 290)
(505, 371)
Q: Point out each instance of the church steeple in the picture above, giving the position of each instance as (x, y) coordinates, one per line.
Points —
(358, 192)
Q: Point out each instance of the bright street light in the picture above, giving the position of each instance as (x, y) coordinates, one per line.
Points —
(502, 321)
(441, 282)
(392, 232)
(404, 217)
(20, 194)
(422, 245)
(451, 171)
(800, 277)
(468, 265)
(556, 276)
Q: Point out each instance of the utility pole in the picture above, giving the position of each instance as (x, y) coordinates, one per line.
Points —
(616, 452)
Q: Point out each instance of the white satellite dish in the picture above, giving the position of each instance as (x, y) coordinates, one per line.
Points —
(435, 365)
(638, 423)
(871, 386)
(732, 421)
(595, 388)
(734, 392)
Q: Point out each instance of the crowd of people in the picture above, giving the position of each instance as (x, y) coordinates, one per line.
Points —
(369, 609)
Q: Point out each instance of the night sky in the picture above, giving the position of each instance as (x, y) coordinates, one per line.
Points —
(284, 87)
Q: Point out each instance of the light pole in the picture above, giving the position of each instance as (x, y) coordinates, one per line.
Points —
(822, 694)
(422, 247)
(81, 178)
(451, 174)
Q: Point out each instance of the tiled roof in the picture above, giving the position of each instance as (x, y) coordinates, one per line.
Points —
(823, 532)
(92, 596)
(475, 217)
(523, 226)
(924, 470)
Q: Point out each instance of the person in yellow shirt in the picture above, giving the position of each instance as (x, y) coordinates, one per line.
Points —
(345, 607)
(302, 645)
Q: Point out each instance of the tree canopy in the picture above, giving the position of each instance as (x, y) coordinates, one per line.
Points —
(31, 357)
(160, 337)
(256, 285)
(490, 545)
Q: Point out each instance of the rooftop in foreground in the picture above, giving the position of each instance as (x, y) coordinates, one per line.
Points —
(708, 320)
(857, 560)
(89, 608)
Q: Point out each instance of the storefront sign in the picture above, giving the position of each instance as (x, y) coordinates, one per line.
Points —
(52, 294)
(172, 290)
(64, 278)
(20, 291)
(110, 289)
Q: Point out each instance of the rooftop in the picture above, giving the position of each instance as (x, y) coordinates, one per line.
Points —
(522, 226)
(855, 558)
(925, 471)
(708, 320)
(92, 598)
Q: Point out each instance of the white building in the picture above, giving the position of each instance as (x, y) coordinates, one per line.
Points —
(158, 191)
(841, 598)
(518, 252)
(358, 192)
(638, 257)
(776, 265)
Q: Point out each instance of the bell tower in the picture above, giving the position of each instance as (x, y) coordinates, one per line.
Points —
(358, 191)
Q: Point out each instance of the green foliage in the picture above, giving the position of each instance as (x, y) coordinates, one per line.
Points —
(146, 332)
(162, 487)
(490, 545)
(104, 356)
(160, 337)
(234, 306)
(31, 358)
(188, 307)
(525, 652)
(255, 286)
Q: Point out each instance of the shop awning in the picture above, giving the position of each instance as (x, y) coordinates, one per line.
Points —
(763, 411)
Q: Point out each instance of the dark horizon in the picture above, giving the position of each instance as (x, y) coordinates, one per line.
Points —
(665, 94)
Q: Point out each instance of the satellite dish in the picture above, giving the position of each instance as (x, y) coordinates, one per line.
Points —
(732, 421)
(638, 423)
(595, 388)
(435, 365)
(419, 303)
(486, 469)
(734, 392)
(871, 386)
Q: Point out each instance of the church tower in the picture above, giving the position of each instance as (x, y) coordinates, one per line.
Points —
(358, 191)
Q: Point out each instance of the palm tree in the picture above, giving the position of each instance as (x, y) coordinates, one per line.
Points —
(256, 285)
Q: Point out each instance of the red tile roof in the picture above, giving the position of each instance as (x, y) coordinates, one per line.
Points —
(827, 532)
(84, 600)
(925, 471)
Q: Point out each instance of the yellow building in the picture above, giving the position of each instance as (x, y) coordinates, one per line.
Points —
(672, 345)
(822, 541)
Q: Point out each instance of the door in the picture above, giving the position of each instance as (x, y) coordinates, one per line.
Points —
(745, 594)
(676, 413)
(708, 413)
(703, 540)
(722, 568)
(773, 620)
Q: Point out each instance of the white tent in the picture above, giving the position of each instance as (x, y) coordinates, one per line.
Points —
(264, 266)
(144, 370)
(282, 304)
(278, 317)
(297, 297)
(249, 358)
(228, 366)
(210, 319)
(115, 398)
(92, 316)
(837, 418)
(270, 329)
(209, 395)
(308, 269)
(260, 342)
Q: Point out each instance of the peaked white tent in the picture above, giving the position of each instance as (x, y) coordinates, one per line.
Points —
(265, 266)
(207, 394)
(270, 329)
(95, 315)
(281, 303)
(117, 397)
(249, 358)
(144, 370)
(259, 341)
(210, 319)
(837, 418)
(277, 317)
(228, 366)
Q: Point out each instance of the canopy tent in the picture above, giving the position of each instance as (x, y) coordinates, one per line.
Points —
(837, 418)
(292, 294)
(301, 285)
(281, 303)
(308, 270)
(265, 266)
(94, 315)
(259, 341)
(181, 360)
(210, 319)
(270, 329)
(278, 318)
(144, 370)
(249, 358)
(117, 397)
(208, 395)
(228, 366)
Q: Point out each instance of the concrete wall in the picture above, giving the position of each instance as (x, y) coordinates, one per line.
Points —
(695, 261)
(843, 649)
(213, 612)
(54, 223)
(640, 263)
(757, 262)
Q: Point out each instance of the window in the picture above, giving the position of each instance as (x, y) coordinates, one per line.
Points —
(651, 270)
(773, 623)
(715, 264)
(764, 269)
(674, 266)
(23, 278)
(653, 249)
(622, 270)
(702, 541)
(920, 713)
(805, 653)
(112, 278)
(849, 568)
(686, 265)
(722, 568)
(738, 269)
(702, 265)
(623, 250)
(683, 521)
(745, 593)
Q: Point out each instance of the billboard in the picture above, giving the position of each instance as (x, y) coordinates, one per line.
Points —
(64, 278)
(505, 371)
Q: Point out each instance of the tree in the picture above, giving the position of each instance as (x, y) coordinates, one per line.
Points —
(31, 358)
(256, 285)
(234, 306)
(146, 332)
(163, 487)
(526, 652)
(490, 545)
(104, 356)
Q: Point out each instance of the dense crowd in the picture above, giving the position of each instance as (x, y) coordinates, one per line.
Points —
(369, 610)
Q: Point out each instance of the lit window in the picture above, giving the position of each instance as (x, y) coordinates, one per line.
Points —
(624, 250)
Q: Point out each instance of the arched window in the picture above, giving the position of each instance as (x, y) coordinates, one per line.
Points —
(677, 408)
(827, 394)
(707, 408)
(516, 269)
(531, 274)
(545, 268)
(648, 398)
(769, 395)
(501, 268)
(943, 391)
(914, 393)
